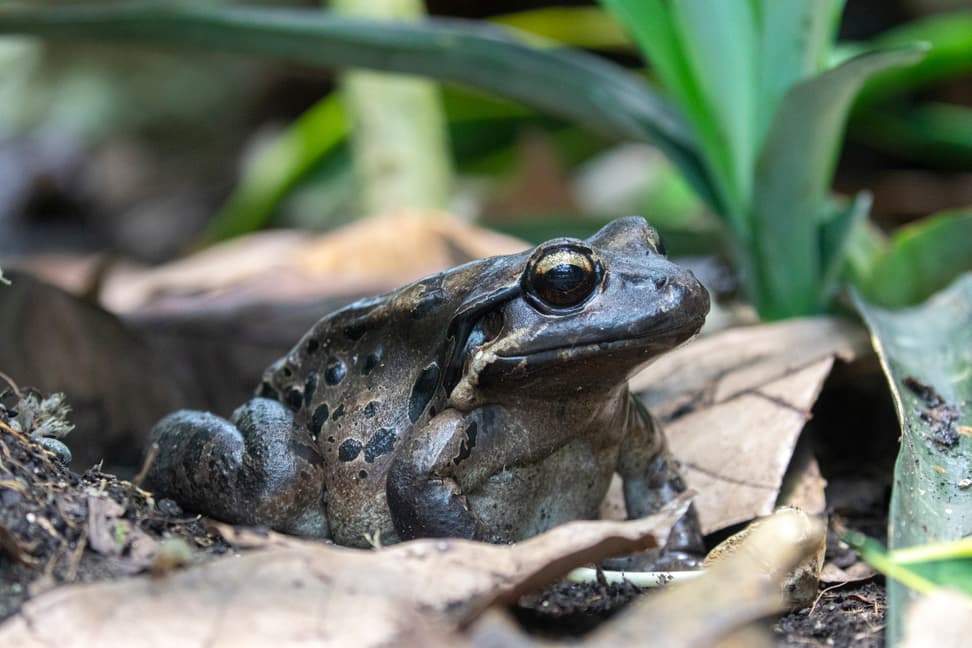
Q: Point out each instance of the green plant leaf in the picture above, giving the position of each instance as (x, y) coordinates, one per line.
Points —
(280, 167)
(949, 36)
(664, 33)
(793, 176)
(921, 568)
(926, 353)
(569, 84)
(796, 37)
(835, 237)
(922, 258)
(935, 133)
(587, 27)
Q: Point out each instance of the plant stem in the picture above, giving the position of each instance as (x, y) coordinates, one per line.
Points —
(401, 156)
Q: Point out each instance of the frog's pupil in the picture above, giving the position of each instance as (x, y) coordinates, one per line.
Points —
(564, 278)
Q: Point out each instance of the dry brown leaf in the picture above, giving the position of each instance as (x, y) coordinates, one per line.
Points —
(365, 257)
(743, 588)
(942, 619)
(734, 404)
(713, 369)
(414, 593)
(114, 384)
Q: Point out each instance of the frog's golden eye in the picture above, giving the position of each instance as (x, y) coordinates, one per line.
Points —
(563, 277)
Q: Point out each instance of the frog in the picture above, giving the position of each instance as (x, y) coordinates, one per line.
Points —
(488, 402)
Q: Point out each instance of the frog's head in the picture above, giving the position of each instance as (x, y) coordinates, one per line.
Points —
(577, 315)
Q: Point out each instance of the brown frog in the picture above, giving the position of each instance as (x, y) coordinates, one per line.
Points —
(489, 401)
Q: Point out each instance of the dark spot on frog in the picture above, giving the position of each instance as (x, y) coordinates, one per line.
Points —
(381, 443)
(363, 474)
(465, 448)
(371, 409)
(335, 371)
(310, 387)
(267, 391)
(287, 372)
(422, 391)
(320, 415)
(356, 330)
(349, 450)
(294, 398)
(330, 439)
(313, 345)
(338, 413)
(371, 362)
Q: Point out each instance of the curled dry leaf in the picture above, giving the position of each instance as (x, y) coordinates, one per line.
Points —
(744, 587)
(734, 404)
(414, 593)
(367, 256)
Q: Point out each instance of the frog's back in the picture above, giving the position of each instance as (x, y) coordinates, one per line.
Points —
(359, 381)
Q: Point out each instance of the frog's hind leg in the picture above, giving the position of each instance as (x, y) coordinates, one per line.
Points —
(256, 468)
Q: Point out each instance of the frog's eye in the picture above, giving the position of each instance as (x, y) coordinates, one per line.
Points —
(563, 276)
(654, 238)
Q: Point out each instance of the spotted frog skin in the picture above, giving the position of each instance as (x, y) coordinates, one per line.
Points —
(489, 401)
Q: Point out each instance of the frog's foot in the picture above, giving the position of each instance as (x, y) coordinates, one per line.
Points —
(254, 469)
(684, 550)
(425, 506)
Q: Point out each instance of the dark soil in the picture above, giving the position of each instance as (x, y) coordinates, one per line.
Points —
(60, 527)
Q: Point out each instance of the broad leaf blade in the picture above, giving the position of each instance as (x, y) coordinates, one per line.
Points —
(795, 39)
(926, 353)
(793, 177)
(570, 84)
(922, 258)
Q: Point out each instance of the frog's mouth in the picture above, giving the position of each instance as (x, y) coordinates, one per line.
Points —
(646, 346)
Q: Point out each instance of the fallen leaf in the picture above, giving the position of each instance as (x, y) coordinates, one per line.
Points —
(733, 406)
(365, 257)
(115, 385)
(744, 587)
(414, 593)
(942, 619)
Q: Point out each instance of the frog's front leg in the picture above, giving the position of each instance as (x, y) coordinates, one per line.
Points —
(424, 498)
(651, 480)
(256, 468)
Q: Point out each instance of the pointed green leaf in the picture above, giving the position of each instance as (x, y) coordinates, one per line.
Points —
(926, 353)
(795, 38)
(950, 38)
(793, 176)
(923, 257)
(587, 27)
(570, 84)
(835, 236)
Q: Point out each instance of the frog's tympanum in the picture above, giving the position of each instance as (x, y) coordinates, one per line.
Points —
(489, 401)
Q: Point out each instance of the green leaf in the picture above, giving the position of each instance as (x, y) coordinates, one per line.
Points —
(570, 84)
(926, 353)
(793, 176)
(587, 27)
(796, 37)
(835, 237)
(922, 568)
(950, 38)
(665, 31)
(934, 133)
(280, 167)
(923, 257)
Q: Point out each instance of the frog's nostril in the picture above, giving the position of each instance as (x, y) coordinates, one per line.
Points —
(659, 280)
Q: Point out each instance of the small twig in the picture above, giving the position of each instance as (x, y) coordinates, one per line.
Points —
(822, 592)
(153, 452)
(641, 579)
